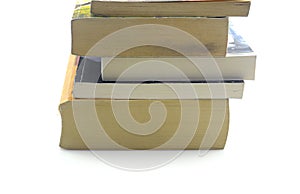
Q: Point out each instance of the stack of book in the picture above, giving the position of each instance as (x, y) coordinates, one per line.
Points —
(153, 74)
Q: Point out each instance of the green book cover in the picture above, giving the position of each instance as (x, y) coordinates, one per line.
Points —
(82, 9)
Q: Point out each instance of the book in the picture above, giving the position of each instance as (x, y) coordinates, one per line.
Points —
(238, 64)
(147, 36)
(92, 124)
(211, 8)
(88, 84)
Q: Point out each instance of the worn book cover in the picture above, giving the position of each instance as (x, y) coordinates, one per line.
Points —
(140, 124)
(211, 8)
(147, 36)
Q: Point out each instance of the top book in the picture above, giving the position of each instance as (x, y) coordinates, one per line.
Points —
(176, 8)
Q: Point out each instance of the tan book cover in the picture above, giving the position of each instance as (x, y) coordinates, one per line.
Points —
(147, 36)
(210, 8)
(156, 124)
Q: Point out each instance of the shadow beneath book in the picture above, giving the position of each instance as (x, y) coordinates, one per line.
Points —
(141, 160)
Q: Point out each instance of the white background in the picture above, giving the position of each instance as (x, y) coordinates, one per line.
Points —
(263, 147)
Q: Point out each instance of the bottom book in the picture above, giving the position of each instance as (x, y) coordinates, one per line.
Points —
(141, 124)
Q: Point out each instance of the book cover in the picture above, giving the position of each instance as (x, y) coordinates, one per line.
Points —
(103, 124)
(238, 64)
(146, 36)
(211, 8)
(89, 84)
